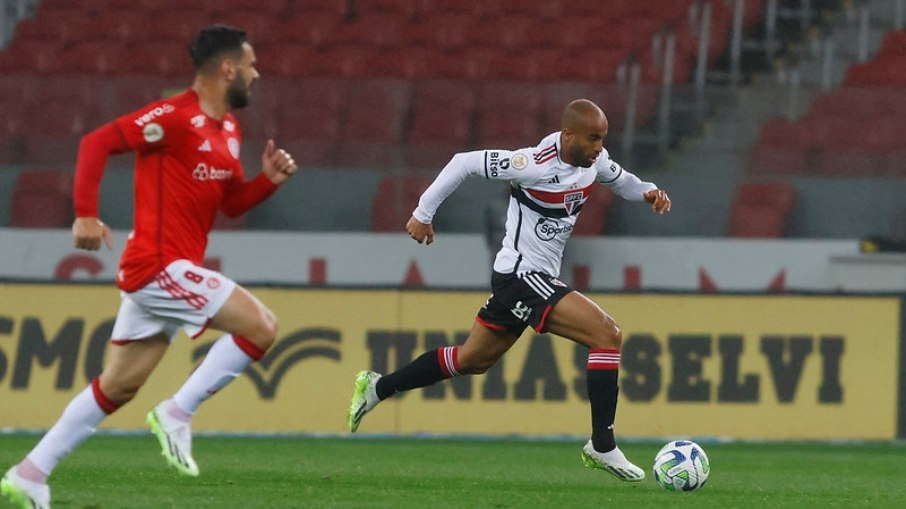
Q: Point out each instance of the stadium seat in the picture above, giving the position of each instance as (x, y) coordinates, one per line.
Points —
(378, 31)
(177, 26)
(443, 32)
(42, 199)
(593, 217)
(510, 115)
(442, 112)
(394, 201)
(30, 56)
(781, 148)
(93, 57)
(161, 58)
(373, 123)
(761, 209)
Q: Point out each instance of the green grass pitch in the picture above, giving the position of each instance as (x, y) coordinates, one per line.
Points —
(127, 472)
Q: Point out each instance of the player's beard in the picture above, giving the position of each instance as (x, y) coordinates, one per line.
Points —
(237, 95)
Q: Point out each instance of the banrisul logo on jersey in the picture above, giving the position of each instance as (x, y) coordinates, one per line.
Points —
(202, 172)
(548, 228)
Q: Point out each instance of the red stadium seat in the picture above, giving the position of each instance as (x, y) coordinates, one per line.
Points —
(510, 115)
(377, 31)
(42, 199)
(159, 58)
(442, 113)
(394, 201)
(373, 123)
(593, 217)
(93, 57)
(761, 209)
(177, 25)
(441, 125)
(782, 147)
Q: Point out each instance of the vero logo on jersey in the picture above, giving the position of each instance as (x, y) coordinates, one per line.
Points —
(154, 113)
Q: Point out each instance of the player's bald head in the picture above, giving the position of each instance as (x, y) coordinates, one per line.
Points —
(580, 115)
(583, 129)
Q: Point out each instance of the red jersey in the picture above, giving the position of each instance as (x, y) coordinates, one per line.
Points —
(186, 168)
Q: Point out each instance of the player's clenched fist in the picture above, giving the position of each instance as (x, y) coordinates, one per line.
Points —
(277, 164)
(420, 232)
(87, 233)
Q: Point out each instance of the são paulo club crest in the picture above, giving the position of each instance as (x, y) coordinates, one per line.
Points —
(571, 200)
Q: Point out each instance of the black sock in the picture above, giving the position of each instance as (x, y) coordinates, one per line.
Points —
(603, 376)
(423, 371)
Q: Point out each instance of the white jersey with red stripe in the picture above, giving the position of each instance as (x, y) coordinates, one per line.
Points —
(546, 197)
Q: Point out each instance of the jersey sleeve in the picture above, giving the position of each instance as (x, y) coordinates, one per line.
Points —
(516, 166)
(620, 181)
(94, 150)
(151, 127)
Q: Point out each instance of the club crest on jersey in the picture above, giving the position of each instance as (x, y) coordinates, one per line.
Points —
(152, 132)
(571, 200)
(233, 145)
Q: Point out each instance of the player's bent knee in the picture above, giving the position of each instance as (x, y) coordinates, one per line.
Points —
(122, 393)
(477, 367)
(608, 335)
(266, 332)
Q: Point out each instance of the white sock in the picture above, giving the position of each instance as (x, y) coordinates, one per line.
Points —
(224, 362)
(78, 422)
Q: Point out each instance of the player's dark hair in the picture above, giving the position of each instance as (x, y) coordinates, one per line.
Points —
(213, 41)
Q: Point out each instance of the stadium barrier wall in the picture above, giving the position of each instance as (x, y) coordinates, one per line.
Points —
(741, 366)
(463, 261)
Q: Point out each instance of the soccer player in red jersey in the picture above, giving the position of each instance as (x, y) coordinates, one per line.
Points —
(187, 168)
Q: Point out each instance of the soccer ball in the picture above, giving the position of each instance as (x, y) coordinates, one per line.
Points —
(681, 465)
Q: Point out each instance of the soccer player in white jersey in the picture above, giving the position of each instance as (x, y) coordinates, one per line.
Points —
(549, 185)
(187, 168)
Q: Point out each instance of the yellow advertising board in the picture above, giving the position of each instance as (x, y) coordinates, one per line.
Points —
(757, 367)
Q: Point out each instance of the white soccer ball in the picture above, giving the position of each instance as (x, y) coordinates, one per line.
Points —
(681, 465)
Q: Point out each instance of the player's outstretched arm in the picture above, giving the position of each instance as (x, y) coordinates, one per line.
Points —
(420, 231)
(277, 164)
(659, 200)
(87, 233)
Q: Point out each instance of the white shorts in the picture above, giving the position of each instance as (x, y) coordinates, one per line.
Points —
(183, 296)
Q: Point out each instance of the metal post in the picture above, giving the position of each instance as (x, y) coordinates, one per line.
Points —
(864, 19)
(701, 64)
(898, 14)
(4, 23)
(805, 14)
(663, 128)
(827, 63)
(631, 107)
(736, 42)
(770, 24)
(793, 104)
